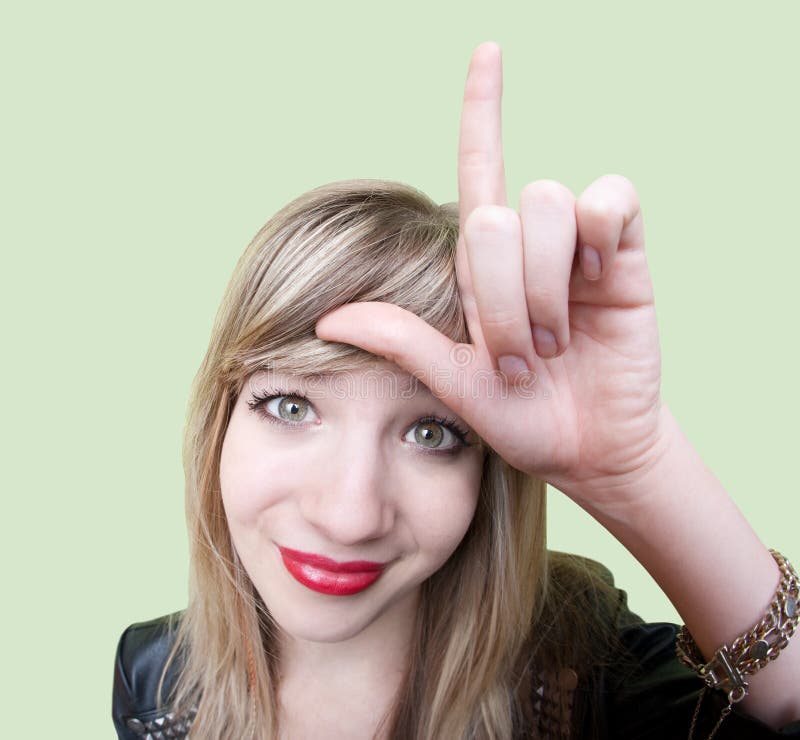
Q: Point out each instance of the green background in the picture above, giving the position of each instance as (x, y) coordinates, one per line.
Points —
(144, 144)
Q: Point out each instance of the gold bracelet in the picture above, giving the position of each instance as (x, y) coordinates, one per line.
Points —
(750, 652)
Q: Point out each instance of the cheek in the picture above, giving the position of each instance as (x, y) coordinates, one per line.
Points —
(251, 478)
(443, 509)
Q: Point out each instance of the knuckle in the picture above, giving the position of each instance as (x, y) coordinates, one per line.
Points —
(499, 319)
(539, 296)
(600, 210)
(503, 330)
(475, 157)
(547, 192)
(600, 206)
(609, 198)
(492, 218)
(619, 182)
(543, 307)
(627, 191)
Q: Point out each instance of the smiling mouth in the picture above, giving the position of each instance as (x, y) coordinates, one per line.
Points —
(326, 576)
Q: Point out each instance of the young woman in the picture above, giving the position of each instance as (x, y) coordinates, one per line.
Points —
(389, 386)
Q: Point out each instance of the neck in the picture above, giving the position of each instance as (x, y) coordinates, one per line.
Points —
(350, 684)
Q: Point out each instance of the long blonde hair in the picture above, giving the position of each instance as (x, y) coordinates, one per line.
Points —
(469, 670)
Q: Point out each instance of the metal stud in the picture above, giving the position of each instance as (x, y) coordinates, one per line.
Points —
(135, 724)
(164, 726)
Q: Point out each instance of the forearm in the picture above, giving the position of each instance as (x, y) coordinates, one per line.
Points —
(684, 528)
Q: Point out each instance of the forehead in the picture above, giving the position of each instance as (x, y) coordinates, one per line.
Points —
(379, 379)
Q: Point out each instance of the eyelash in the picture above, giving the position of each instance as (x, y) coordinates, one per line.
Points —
(258, 404)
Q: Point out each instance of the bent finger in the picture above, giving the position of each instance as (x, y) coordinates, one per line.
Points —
(493, 238)
(547, 212)
(609, 218)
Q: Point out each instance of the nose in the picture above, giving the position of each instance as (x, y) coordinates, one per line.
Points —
(350, 501)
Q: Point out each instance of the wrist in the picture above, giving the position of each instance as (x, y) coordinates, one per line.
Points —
(623, 496)
(677, 520)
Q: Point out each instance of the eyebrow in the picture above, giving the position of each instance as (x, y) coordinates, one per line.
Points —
(403, 385)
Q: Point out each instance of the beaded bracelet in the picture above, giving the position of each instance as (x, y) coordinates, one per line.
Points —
(748, 653)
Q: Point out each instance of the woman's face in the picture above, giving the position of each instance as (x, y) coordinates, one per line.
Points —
(351, 467)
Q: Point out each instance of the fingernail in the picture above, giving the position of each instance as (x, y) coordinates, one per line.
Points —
(590, 262)
(511, 365)
(544, 341)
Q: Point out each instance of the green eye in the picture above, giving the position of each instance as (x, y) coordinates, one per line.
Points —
(439, 435)
(292, 408)
(429, 434)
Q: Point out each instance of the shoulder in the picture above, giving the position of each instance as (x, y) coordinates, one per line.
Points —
(577, 621)
(585, 588)
(142, 653)
(638, 688)
(579, 570)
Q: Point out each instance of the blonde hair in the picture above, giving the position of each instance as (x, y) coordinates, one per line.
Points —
(469, 670)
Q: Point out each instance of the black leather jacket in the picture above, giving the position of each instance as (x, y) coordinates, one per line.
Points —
(653, 702)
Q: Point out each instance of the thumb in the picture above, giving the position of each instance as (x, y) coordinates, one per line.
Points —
(392, 332)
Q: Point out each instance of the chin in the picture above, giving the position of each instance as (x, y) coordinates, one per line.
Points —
(320, 625)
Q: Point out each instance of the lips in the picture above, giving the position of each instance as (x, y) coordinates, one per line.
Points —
(329, 577)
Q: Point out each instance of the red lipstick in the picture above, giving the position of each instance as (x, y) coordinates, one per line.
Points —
(329, 577)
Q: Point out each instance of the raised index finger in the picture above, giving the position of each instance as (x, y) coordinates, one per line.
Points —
(481, 174)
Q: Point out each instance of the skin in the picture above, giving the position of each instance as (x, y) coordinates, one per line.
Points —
(583, 409)
(349, 480)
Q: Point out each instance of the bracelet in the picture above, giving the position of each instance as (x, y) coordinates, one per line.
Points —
(749, 652)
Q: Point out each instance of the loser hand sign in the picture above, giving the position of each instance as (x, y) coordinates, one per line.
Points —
(585, 413)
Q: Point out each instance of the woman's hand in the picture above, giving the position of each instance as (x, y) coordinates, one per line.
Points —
(588, 418)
